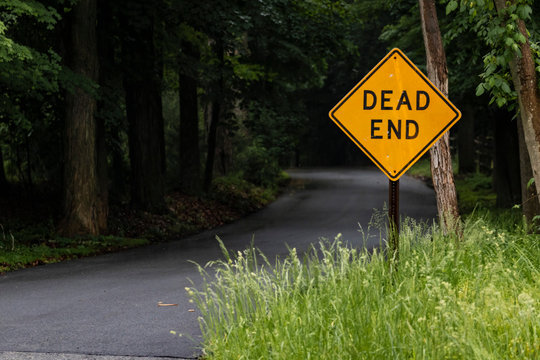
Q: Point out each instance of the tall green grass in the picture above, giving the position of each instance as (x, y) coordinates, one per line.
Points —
(476, 298)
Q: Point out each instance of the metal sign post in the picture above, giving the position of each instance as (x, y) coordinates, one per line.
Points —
(393, 216)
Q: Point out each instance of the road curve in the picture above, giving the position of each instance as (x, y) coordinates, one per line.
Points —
(108, 305)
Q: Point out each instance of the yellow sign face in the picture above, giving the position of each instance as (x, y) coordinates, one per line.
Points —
(395, 114)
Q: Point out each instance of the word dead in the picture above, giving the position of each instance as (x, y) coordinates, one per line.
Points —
(389, 128)
(370, 100)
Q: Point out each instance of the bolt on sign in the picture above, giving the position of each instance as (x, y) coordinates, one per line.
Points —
(395, 114)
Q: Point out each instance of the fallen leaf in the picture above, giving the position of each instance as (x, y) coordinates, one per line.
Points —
(162, 304)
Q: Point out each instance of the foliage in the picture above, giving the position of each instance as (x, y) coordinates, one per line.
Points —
(474, 299)
(499, 30)
(258, 166)
(474, 190)
(240, 194)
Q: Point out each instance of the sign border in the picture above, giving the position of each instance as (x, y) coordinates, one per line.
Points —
(427, 146)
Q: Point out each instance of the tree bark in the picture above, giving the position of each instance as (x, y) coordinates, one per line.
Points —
(216, 115)
(190, 160)
(441, 159)
(530, 206)
(525, 82)
(105, 33)
(102, 176)
(211, 154)
(80, 177)
(142, 84)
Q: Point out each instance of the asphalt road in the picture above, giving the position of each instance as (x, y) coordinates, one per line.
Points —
(107, 306)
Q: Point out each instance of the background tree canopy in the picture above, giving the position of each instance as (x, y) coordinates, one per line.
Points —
(155, 96)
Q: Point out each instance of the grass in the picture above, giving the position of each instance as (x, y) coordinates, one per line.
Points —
(477, 298)
(475, 190)
(15, 255)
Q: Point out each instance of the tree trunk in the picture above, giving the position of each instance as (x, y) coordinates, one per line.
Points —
(142, 84)
(80, 177)
(530, 206)
(190, 160)
(211, 154)
(441, 159)
(465, 142)
(102, 176)
(216, 115)
(106, 76)
(525, 82)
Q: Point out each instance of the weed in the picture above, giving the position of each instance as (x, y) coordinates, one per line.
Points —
(476, 299)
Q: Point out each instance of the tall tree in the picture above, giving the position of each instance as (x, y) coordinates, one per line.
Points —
(530, 206)
(81, 189)
(501, 26)
(142, 84)
(190, 162)
(216, 113)
(523, 71)
(441, 159)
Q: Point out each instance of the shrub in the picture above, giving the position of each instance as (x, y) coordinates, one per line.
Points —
(258, 166)
(240, 194)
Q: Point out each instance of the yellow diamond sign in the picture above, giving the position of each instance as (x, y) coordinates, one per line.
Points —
(395, 114)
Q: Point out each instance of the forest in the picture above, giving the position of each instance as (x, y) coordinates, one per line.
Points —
(110, 108)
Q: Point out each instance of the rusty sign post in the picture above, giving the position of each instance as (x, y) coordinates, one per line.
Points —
(394, 115)
(393, 216)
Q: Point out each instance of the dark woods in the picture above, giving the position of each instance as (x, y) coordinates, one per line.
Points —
(119, 102)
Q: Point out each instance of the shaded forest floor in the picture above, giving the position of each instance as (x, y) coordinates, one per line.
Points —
(28, 218)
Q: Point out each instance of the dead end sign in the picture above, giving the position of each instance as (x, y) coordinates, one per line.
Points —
(395, 114)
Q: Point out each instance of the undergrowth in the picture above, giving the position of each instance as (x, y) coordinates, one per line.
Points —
(476, 298)
(16, 255)
(27, 240)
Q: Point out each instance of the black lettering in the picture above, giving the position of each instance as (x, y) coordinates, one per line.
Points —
(408, 134)
(426, 100)
(391, 127)
(373, 98)
(404, 100)
(375, 128)
(384, 99)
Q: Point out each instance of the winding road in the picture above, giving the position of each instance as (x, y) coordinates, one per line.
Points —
(106, 307)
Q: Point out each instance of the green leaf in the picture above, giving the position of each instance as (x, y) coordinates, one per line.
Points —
(520, 38)
(530, 182)
(490, 69)
(505, 87)
(452, 5)
(524, 12)
(480, 89)
(501, 101)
